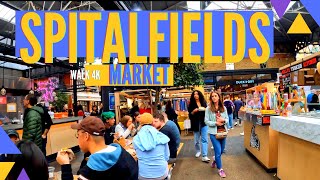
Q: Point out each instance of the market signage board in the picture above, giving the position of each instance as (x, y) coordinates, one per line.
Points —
(305, 64)
(143, 36)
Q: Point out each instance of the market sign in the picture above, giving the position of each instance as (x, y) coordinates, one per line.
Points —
(245, 82)
(305, 64)
(142, 37)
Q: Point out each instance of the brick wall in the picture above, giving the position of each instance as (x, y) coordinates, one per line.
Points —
(277, 61)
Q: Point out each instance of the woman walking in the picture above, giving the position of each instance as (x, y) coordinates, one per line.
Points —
(200, 129)
(216, 117)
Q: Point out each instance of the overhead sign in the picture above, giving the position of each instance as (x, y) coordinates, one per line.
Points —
(245, 82)
(305, 64)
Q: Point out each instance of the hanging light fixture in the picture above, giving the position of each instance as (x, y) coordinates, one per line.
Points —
(3, 91)
(31, 91)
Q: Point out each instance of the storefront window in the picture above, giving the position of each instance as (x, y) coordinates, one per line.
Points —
(244, 77)
(11, 108)
(264, 76)
(224, 78)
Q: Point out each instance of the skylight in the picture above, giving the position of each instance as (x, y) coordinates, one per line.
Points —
(7, 14)
(13, 66)
(193, 5)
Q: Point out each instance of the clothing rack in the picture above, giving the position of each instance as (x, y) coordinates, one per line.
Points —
(180, 104)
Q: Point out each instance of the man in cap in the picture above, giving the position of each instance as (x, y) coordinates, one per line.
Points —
(14, 136)
(105, 162)
(109, 121)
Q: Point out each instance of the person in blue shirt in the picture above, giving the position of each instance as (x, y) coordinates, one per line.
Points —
(152, 150)
(170, 129)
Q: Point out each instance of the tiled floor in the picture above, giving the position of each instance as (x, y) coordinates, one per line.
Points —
(236, 162)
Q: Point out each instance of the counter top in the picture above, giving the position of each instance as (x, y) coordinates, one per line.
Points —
(55, 121)
(305, 128)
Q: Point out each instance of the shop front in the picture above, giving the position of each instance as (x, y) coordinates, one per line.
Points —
(235, 82)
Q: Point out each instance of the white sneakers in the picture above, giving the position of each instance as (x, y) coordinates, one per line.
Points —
(198, 154)
(205, 159)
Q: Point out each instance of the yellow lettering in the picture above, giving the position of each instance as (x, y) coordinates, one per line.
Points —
(24, 53)
(208, 58)
(260, 38)
(114, 26)
(133, 48)
(241, 35)
(174, 37)
(49, 37)
(90, 18)
(73, 37)
(189, 37)
(155, 37)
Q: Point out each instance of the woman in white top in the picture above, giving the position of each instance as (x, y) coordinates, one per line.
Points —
(125, 128)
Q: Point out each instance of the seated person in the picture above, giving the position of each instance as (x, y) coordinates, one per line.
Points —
(170, 129)
(108, 120)
(152, 150)
(125, 128)
(105, 162)
(31, 160)
(14, 136)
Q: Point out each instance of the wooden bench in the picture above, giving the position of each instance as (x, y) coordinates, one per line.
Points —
(170, 166)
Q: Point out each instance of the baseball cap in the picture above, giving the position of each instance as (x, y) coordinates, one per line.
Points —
(11, 132)
(91, 124)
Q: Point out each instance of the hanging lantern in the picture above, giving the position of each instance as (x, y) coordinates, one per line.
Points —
(318, 67)
(3, 91)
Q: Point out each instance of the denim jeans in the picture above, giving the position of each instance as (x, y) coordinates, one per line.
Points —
(230, 125)
(203, 133)
(218, 145)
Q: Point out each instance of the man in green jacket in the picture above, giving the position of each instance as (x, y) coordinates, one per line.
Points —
(32, 128)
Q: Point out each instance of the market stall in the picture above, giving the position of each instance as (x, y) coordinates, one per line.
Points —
(298, 146)
(259, 139)
(180, 100)
(124, 100)
(302, 72)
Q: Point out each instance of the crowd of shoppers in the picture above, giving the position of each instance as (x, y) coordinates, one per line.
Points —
(155, 139)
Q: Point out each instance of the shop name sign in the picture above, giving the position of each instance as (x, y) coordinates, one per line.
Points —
(143, 36)
(245, 82)
(305, 64)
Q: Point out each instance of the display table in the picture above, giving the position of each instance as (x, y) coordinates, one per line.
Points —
(260, 140)
(299, 147)
(60, 135)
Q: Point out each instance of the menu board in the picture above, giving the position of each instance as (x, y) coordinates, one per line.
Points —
(11, 107)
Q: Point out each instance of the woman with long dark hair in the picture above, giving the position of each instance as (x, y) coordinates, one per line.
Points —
(171, 114)
(216, 117)
(200, 129)
(31, 160)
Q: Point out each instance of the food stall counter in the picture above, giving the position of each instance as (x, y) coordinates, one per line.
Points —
(299, 146)
(60, 134)
(260, 140)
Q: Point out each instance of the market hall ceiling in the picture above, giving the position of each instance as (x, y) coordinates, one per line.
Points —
(281, 26)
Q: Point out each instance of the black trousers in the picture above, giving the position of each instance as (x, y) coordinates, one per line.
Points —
(44, 146)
